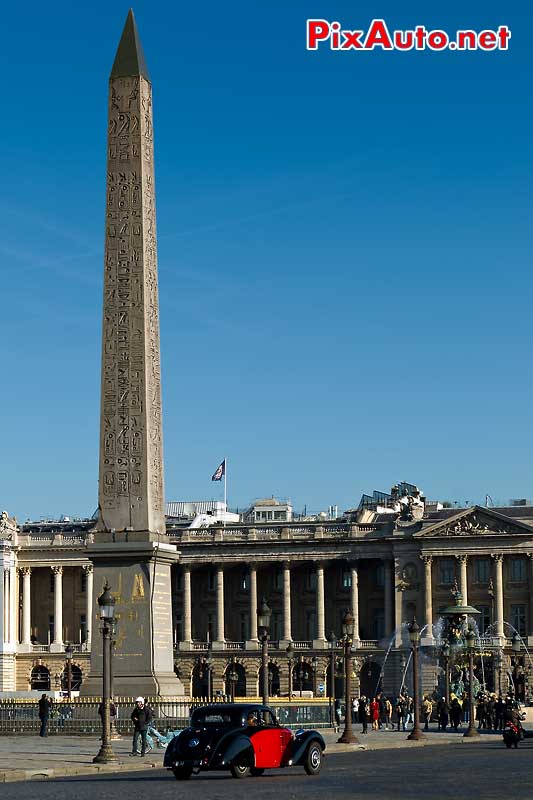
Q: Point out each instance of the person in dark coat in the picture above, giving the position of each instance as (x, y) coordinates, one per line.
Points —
(141, 717)
(443, 711)
(455, 713)
(45, 707)
(363, 719)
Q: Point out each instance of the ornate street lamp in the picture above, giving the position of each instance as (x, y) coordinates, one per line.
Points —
(348, 736)
(233, 678)
(332, 641)
(68, 654)
(414, 637)
(106, 602)
(264, 614)
(446, 657)
(470, 639)
(314, 662)
(290, 660)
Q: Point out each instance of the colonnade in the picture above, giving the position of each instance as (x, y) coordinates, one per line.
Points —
(320, 639)
(10, 636)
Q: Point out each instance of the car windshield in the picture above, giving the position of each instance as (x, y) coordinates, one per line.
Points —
(215, 716)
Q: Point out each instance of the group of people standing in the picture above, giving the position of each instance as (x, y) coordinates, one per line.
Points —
(382, 713)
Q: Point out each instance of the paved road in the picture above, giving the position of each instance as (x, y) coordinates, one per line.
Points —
(485, 770)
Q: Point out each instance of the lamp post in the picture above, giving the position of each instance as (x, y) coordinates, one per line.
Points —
(470, 640)
(314, 662)
(106, 602)
(446, 657)
(290, 660)
(263, 625)
(68, 653)
(414, 637)
(233, 678)
(332, 639)
(348, 736)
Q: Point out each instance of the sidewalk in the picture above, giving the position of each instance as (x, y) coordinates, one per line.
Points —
(30, 757)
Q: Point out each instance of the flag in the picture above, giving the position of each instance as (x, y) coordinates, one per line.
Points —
(219, 472)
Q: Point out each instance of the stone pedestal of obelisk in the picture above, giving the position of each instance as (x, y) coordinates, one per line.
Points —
(131, 549)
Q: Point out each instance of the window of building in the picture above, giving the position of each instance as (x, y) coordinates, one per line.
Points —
(310, 580)
(447, 571)
(179, 627)
(518, 570)
(518, 619)
(279, 515)
(380, 575)
(211, 581)
(310, 624)
(482, 570)
(483, 620)
(83, 582)
(245, 626)
(83, 627)
(278, 580)
(51, 628)
(244, 581)
(276, 626)
(379, 624)
(346, 579)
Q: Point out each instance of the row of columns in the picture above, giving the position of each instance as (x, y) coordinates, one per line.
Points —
(9, 605)
(462, 558)
(286, 603)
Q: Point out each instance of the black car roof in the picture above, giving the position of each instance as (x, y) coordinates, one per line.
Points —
(231, 707)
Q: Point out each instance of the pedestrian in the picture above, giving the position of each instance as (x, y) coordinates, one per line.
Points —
(382, 710)
(355, 706)
(363, 719)
(455, 713)
(337, 711)
(388, 714)
(427, 710)
(410, 711)
(374, 713)
(45, 707)
(401, 711)
(141, 717)
(443, 711)
(499, 708)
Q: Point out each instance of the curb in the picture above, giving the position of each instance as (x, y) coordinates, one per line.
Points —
(37, 774)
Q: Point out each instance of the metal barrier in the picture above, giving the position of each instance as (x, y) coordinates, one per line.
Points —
(80, 716)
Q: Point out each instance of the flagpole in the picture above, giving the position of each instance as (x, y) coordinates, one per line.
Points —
(225, 492)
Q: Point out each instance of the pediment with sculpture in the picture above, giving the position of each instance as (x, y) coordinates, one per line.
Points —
(476, 521)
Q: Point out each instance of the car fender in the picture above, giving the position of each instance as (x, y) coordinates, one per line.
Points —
(231, 747)
(170, 752)
(302, 740)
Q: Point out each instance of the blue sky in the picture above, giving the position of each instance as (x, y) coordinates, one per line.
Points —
(344, 253)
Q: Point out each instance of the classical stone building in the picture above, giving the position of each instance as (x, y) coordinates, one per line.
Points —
(388, 568)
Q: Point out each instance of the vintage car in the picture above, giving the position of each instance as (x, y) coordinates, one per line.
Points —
(243, 738)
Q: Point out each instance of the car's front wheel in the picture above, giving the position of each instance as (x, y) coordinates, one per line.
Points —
(182, 773)
(239, 770)
(313, 759)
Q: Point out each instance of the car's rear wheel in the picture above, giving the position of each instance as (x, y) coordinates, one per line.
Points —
(256, 771)
(313, 759)
(182, 773)
(239, 770)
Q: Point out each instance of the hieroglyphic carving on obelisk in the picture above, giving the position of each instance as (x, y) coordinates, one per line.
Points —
(131, 460)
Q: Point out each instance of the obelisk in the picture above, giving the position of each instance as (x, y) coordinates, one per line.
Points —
(131, 549)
